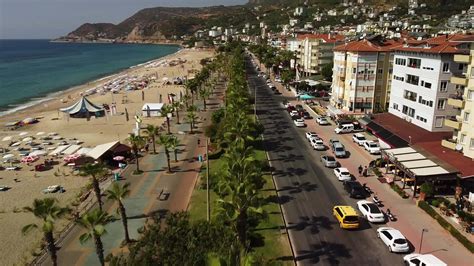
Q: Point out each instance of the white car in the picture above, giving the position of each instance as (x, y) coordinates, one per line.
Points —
(278, 80)
(371, 211)
(372, 147)
(416, 259)
(322, 120)
(393, 239)
(318, 144)
(342, 174)
(359, 138)
(294, 113)
(310, 135)
(300, 122)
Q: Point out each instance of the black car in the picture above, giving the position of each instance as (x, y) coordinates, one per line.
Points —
(355, 189)
(299, 107)
(306, 115)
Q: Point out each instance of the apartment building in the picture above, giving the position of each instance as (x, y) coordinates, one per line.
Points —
(315, 51)
(362, 75)
(463, 101)
(421, 84)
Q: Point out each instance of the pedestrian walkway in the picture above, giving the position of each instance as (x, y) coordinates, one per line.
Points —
(143, 201)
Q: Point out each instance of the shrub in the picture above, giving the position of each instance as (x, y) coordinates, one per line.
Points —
(399, 191)
(435, 203)
(428, 189)
(446, 225)
(377, 172)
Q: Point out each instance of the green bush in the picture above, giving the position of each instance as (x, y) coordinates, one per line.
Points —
(428, 189)
(399, 191)
(377, 172)
(446, 225)
(435, 203)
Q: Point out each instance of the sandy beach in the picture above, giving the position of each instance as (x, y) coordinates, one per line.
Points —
(27, 184)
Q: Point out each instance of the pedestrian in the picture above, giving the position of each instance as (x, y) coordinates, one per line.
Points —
(199, 142)
(360, 170)
(365, 172)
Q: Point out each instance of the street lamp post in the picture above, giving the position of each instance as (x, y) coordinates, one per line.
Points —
(421, 241)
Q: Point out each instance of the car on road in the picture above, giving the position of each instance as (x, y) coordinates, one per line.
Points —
(310, 135)
(355, 189)
(371, 211)
(346, 216)
(322, 120)
(164, 195)
(328, 161)
(299, 107)
(318, 144)
(299, 122)
(345, 128)
(339, 150)
(416, 259)
(294, 113)
(306, 115)
(342, 174)
(372, 147)
(393, 239)
(359, 138)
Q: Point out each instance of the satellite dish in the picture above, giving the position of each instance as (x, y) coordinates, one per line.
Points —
(458, 147)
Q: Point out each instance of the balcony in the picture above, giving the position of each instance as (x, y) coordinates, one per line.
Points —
(456, 101)
(461, 58)
(449, 143)
(453, 122)
(459, 80)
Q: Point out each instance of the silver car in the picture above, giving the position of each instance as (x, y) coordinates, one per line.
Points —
(328, 161)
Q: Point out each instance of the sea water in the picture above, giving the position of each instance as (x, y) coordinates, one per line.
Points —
(30, 70)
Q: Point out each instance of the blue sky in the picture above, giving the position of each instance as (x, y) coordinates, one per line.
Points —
(23, 19)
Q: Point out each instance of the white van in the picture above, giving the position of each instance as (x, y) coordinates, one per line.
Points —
(423, 260)
(344, 128)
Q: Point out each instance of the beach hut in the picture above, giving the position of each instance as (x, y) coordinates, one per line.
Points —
(152, 109)
(83, 108)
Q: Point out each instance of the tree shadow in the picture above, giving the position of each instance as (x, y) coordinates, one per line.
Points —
(332, 252)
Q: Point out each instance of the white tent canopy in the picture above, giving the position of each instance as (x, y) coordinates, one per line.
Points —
(101, 149)
(82, 108)
(59, 149)
(71, 149)
(154, 109)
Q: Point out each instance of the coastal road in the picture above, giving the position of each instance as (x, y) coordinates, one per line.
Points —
(308, 191)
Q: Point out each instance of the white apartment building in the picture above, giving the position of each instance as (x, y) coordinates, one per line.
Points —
(316, 50)
(293, 44)
(421, 81)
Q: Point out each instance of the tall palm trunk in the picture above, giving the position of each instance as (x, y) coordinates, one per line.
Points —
(175, 155)
(48, 236)
(167, 152)
(136, 157)
(168, 123)
(123, 214)
(204, 102)
(191, 126)
(154, 146)
(99, 249)
(95, 185)
(242, 228)
(192, 97)
(177, 116)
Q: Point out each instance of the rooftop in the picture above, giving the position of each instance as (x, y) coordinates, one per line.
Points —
(368, 46)
(326, 37)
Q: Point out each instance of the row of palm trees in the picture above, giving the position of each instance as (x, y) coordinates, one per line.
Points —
(49, 212)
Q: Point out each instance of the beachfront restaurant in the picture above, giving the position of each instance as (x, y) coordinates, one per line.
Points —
(415, 168)
(106, 152)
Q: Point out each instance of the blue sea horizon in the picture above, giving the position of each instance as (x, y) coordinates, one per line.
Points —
(31, 69)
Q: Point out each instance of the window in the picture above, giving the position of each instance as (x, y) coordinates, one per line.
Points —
(445, 67)
(461, 66)
(428, 68)
(413, 62)
(439, 121)
(400, 61)
(413, 79)
(427, 85)
(395, 106)
(444, 86)
(408, 111)
(471, 144)
(398, 78)
(441, 104)
(409, 95)
(466, 117)
(380, 70)
(470, 95)
(422, 119)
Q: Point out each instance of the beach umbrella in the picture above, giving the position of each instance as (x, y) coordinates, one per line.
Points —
(119, 158)
(29, 120)
(29, 159)
(306, 97)
(7, 138)
(27, 139)
(16, 144)
(8, 156)
(23, 134)
(40, 133)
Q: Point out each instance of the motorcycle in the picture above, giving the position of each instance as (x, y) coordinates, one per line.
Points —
(390, 215)
(377, 201)
(367, 189)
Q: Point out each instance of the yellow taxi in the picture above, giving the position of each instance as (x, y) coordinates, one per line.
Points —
(346, 216)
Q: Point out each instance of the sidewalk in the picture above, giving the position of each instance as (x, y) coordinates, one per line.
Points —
(145, 189)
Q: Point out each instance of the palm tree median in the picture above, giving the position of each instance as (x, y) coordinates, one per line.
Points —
(168, 142)
(118, 193)
(49, 212)
(95, 171)
(137, 143)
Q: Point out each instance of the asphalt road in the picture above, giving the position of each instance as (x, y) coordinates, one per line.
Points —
(308, 191)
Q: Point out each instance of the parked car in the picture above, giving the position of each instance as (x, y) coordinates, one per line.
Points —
(306, 115)
(299, 107)
(318, 144)
(278, 79)
(339, 150)
(416, 259)
(355, 189)
(393, 239)
(294, 113)
(332, 141)
(372, 147)
(342, 174)
(290, 108)
(328, 161)
(371, 211)
(310, 135)
(359, 138)
(322, 120)
(299, 122)
(346, 216)
(345, 128)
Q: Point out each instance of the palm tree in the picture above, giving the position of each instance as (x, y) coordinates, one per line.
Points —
(175, 142)
(152, 131)
(118, 193)
(137, 143)
(48, 211)
(204, 93)
(166, 141)
(176, 106)
(94, 171)
(94, 222)
(191, 116)
(165, 110)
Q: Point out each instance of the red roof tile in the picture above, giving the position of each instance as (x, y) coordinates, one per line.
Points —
(443, 44)
(367, 46)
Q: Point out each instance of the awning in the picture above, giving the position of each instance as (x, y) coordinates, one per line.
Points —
(334, 111)
(59, 149)
(387, 136)
(71, 149)
(100, 150)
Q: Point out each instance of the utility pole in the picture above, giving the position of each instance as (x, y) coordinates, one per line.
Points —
(207, 181)
(421, 241)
